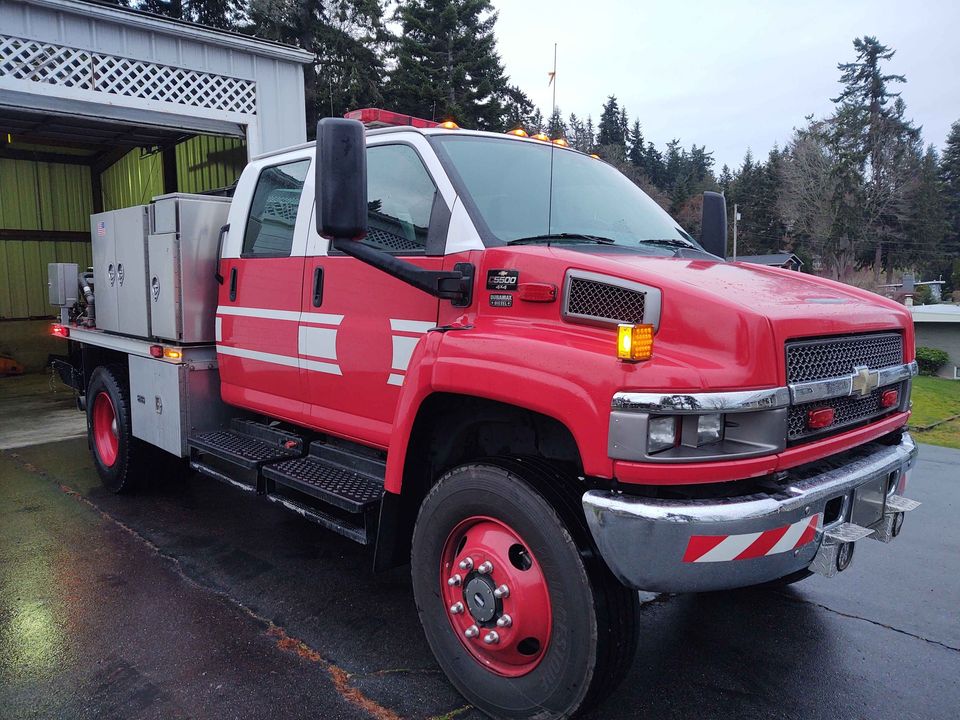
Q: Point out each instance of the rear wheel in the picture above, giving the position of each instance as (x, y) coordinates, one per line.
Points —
(523, 616)
(122, 461)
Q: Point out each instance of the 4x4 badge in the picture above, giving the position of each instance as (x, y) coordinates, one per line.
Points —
(865, 380)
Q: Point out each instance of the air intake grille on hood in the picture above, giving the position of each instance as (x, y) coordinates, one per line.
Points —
(600, 301)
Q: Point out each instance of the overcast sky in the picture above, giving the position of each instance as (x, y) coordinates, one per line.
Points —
(729, 75)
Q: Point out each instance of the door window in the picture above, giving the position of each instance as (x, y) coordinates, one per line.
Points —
(400, 197)
(273, 211)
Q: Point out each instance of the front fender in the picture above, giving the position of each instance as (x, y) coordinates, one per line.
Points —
(539, 371)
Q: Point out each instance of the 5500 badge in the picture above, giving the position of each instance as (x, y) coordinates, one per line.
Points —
(502, 279)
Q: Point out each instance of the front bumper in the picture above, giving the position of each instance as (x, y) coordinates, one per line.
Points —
(695, 545)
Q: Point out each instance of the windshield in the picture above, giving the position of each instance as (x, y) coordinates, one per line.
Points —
(508, 182)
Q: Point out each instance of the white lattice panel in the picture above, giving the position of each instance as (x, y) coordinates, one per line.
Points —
(57, 65)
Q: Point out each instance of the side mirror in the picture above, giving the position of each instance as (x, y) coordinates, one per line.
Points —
(340, 173)
(713, 224)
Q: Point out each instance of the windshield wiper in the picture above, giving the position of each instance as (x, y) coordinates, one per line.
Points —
(563, 237)
(670, 242)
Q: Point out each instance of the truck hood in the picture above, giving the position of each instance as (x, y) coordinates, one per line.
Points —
(729, 321)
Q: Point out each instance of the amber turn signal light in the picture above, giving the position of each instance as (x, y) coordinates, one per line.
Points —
(634, 342)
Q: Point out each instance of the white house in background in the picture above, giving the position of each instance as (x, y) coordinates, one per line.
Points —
(938, 326)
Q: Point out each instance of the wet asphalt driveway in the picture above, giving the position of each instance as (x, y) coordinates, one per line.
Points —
(197, 600)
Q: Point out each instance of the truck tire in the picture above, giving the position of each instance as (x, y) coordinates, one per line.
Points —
(564, 633)
(122, 461)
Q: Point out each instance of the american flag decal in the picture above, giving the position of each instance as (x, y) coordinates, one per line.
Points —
(101, 229)
(720, 548)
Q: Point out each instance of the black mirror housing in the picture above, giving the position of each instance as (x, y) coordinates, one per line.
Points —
(713, 224)
(340, 179)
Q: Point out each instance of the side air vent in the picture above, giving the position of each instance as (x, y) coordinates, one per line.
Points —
(603, 300)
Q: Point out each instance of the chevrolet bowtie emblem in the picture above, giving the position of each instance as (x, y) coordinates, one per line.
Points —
(865, 380)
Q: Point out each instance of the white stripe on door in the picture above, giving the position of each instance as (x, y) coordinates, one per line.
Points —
(285, 360)
(317, 342)
(288, 315)
(411, 326)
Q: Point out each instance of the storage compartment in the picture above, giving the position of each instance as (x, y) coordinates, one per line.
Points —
(170, 400)
(183, 253)
(120, 270)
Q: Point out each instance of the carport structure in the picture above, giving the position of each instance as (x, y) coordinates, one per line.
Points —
(103, 107)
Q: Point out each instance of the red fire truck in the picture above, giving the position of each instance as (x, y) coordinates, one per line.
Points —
(495, 358)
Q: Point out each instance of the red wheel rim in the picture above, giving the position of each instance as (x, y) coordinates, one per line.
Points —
(105, 431)
(506, 632)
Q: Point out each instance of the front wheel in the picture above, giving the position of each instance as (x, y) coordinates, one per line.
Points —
(522, 615)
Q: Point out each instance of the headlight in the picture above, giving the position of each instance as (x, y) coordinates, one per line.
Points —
(661, 433)
(709, 429)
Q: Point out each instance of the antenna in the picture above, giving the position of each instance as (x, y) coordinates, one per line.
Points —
(553, 148)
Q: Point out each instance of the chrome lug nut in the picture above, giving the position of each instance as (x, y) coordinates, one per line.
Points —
(491, 638)
(485, 568)
(466, 564)
(504, 621)
(471, 632)
(501, 592)
(456, 608)
(455, 580)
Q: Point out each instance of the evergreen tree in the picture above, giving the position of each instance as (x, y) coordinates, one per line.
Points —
(556, 128)
(221, 14)
(654, 166)
(347, 38)
(950, 183)
(611, 130)
(926, 225)
(636, 154)
(590, 136)
(578, 134)
(874, 143)
(447, 64)
(519, 111)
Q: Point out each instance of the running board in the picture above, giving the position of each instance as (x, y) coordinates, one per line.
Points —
(343, 488)
(248, 445)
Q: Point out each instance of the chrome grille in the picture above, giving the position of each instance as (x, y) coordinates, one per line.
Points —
(592, 299)
(848, 410)
(832, 357)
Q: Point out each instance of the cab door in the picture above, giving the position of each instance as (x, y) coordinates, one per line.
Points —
(359, 325)
(258, 312)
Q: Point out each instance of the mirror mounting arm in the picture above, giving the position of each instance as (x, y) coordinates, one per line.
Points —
(455, 286)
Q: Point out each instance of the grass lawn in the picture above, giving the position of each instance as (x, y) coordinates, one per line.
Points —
(936, 399)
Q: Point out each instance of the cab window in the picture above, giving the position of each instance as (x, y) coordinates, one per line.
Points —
(273, 211)
(400, 196)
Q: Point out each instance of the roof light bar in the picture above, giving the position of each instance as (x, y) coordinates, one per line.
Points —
(378, 118)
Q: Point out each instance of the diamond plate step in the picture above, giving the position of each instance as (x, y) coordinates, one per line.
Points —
(328, 482)
(898, 503)
(847, 532)
(247, 444)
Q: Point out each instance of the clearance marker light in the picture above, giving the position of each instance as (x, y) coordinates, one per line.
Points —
(519, 132)
(541, 136)
(594, 156)
(449, 125)
(561, 142)
(634, 342)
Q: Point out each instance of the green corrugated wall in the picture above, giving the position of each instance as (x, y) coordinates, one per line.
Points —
(39, 196)
(207, 162)
(54, 196)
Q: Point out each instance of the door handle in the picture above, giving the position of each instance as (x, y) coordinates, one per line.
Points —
(317, 287)
(233, 284)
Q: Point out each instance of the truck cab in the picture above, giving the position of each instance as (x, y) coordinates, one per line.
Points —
(495, 358)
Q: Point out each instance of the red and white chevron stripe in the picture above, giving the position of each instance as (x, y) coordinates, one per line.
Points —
(720, 548)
